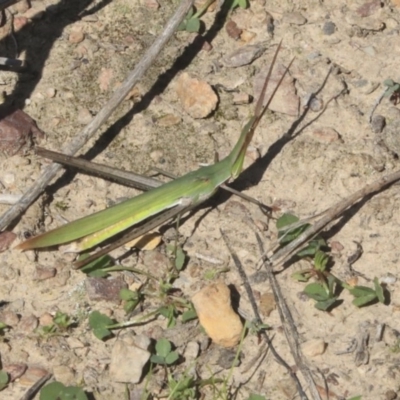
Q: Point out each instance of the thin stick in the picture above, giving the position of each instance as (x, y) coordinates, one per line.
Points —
(288, 326)
(81, 138)
(31, 392)
(252, 300)
(331, 214)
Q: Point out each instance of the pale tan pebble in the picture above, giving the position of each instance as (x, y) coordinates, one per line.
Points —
(169, 120)
(64, 374)
(294, 18)
(46, 319)
(127, 362)
(241, 98)
(157, 155)
(197, 97)
(9, 318)
(42, 273)
(213, 307)
(84, 116)
(104, 79)
(247, 36)
(326, 134)
(19, 23)
(313, 347)
(28, 323)
(51, 92)
(76, 36)
(267, 303)
(8, 179)
(151, 4)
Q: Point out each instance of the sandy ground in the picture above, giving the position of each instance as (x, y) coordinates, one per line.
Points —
(332, 152)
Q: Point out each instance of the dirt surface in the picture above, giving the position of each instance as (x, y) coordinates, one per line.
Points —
(300, 163)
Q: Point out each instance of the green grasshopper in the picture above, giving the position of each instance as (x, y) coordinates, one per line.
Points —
(153, 208)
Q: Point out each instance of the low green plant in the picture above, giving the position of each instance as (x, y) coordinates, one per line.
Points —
(131, 299)
(327, 287)
(61, 323)
(392, 90)
(164, 354)
(58, 391)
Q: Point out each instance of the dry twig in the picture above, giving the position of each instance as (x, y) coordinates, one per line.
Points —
(82, 137)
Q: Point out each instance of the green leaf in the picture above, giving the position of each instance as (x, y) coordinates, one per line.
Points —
(171, 357)
(316, 291)
(180, 258)
(285, 235)
(364, 300)
(301, 276)
(157, 359)
(379, 291)
(57, 391)
(126, 294)
(320, 260)
(99, 323)
(256, 397)
(189, 315)
(325, 305)
(163, 347)
(388, 82)
(360, 291)
(242, 3)
(193, 25)
(356, 398)
(3, 325)
(3, 379)
(95, 268)
(286, 220)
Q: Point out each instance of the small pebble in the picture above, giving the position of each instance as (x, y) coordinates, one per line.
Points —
(197, 97)
(233, 30)
(43, 273)
(243, 56)
(157, 156)
(46, 319)
(6, 239)
(329, 28)
(316, 104)
(369, 8)
(326, 134)
(84, 116)
(28, 324)
(104, 289)
(214, 309)
(50, 92)
(247, 36)
(241, 98)
(378, 123)
(9, 318)
(64, 374)
(388, 279)
(294, 18)
(169, 120)
(8, 179)
(391, 395)
(267, 303)
(151, 4)
(76, 36)
(19, 23)
(127, 362)
(313, 348)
